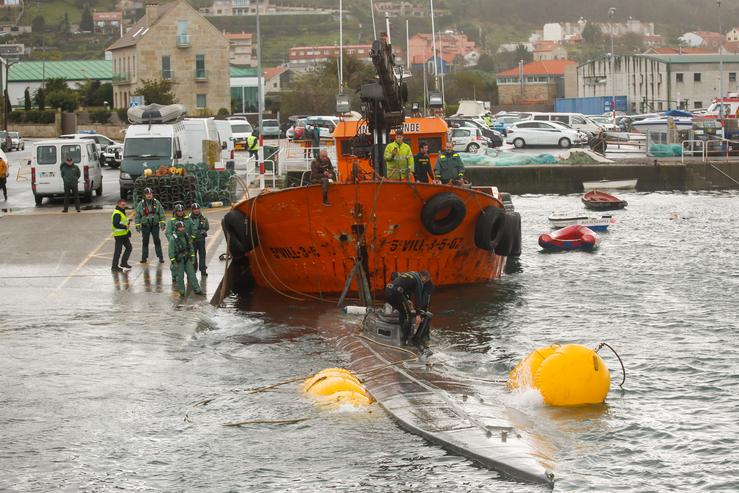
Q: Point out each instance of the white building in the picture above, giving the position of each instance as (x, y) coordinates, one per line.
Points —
(733, 35)
(658, 82)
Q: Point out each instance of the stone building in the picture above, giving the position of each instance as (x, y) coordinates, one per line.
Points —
(173, 42)
(536, 83)
(241, 49)
(659, 82)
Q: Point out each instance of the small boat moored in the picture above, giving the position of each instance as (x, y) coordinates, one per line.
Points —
(575, 237)
(598, 200)
(596, 223)
(609, 185)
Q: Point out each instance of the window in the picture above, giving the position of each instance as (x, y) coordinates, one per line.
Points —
(73, 151)
(200, 66)
(46, 155)
(561, 118)
(697, 77)
(541, 117)
(434, 144)
(659, 106)
(697, 105)
(679, 77)
(732, 76)
(166, 67)
(182, 28)
(578, 120)
(201, 101)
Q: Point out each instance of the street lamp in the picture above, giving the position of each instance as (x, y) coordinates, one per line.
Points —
(611, 14)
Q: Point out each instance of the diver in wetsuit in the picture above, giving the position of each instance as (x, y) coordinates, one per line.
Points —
(398, 294)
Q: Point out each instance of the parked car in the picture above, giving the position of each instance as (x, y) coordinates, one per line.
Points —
(101, 140)
(574, 120)
(241, 129)
(296, 131)
(5, 141)
(113, 155)
(270, 128)
(325, 124)
(16, 141)
(289, 123)
(495, 138)
(467, 139)
(606, 122)
(532, 132)
(502, 123)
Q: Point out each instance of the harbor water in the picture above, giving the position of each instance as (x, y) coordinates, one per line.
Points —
(123, 392)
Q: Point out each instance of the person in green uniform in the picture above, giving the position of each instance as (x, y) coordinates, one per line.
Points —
(449, 167)
(398, 159)
(70, 176)
(178, 214)
(182, 256)
(198, 231)
(149, 220)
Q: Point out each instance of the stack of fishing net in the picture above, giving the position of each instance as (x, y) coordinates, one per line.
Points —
(170, 190)
(212, 185)
(199, 184)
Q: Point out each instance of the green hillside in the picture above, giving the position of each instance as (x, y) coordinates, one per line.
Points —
(53, 10)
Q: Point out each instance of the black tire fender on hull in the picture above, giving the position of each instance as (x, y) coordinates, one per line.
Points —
(489, 228)
(448, 223)
(239, 231)
(510, 243)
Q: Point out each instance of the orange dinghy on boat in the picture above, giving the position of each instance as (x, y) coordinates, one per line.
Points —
(289, 241)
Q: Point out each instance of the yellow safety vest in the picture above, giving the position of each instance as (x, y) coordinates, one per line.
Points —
(124, 221)
(252, 143)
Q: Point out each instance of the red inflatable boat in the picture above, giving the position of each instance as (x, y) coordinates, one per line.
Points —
(575, 237)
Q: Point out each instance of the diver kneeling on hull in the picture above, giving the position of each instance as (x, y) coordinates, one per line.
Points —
(398, 294)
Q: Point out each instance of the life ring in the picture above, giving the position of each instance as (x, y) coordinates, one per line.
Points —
(239, 230)
(511, 231)
(489, 228)
(515, 219)
(450, 221)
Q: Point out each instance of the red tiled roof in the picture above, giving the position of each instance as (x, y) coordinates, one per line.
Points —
(272, 72)
(241, 35)
(542, 67)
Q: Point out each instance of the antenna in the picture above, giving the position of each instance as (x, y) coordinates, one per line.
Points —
(341, 47)
(433, 43)
(374, 26)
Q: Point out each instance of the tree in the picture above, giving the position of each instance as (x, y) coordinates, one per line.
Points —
(39, 97)
(64, 24)
(59, 95)
(86, 23)
(38, 24)
(486, 63)
(591, 33)
(27, 99)
(156, 91)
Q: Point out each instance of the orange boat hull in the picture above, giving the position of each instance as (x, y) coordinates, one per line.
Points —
(307, 247)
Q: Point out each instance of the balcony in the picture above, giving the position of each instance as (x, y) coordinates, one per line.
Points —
(183, 40)
(201, 75)
(121, 78)
(167, 74)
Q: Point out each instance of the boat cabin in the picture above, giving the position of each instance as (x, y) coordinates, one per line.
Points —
(416, 130)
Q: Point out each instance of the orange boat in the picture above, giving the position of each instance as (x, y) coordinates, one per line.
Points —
(298, 247)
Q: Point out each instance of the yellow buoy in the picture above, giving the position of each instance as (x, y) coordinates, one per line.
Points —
(523, 374)
(338, 385)
(148, 172)
(569, 375)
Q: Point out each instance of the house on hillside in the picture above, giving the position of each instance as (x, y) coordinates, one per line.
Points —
(702, 39)
(173, 42)
(549, 50)
(241, 49)
(535, 83)
(449, 44)
(107, 22)
(733, 35)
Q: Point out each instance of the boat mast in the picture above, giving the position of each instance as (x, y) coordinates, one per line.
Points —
(260, 97)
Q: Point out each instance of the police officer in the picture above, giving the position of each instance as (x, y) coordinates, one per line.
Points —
(398, 293)
(121, 235)
(198, 231)
(182, 256)
(422, 165)
(149, 220)
(177, 215)
(398, 158)
(70, 177)
(449, 167)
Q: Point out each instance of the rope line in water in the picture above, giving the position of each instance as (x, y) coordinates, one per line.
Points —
(623, 368)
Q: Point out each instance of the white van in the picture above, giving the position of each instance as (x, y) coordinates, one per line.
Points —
(148, 147)
(48, 156)
(241, 129)
(200, 134)
(226, 137)
(578, 121)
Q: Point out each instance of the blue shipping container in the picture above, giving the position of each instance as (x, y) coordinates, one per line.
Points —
(596, 105)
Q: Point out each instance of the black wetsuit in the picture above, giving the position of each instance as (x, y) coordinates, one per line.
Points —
(398, 293)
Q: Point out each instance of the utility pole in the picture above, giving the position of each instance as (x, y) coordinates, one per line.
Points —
(721, 69)
(260, 98)
(611, 15)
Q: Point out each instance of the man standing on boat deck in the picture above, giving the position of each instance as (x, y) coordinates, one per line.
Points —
(398, 294)
(321, 171)
(449, 167)
(398, 159)
(422, 165)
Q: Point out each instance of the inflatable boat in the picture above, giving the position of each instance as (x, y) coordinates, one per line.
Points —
(156, 113)
(560, 220)
(576, 237)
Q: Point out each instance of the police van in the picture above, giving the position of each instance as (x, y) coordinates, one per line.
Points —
(48, 156)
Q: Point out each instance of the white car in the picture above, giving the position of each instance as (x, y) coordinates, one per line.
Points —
(606, 122)
(467, 139)
(533, 132)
